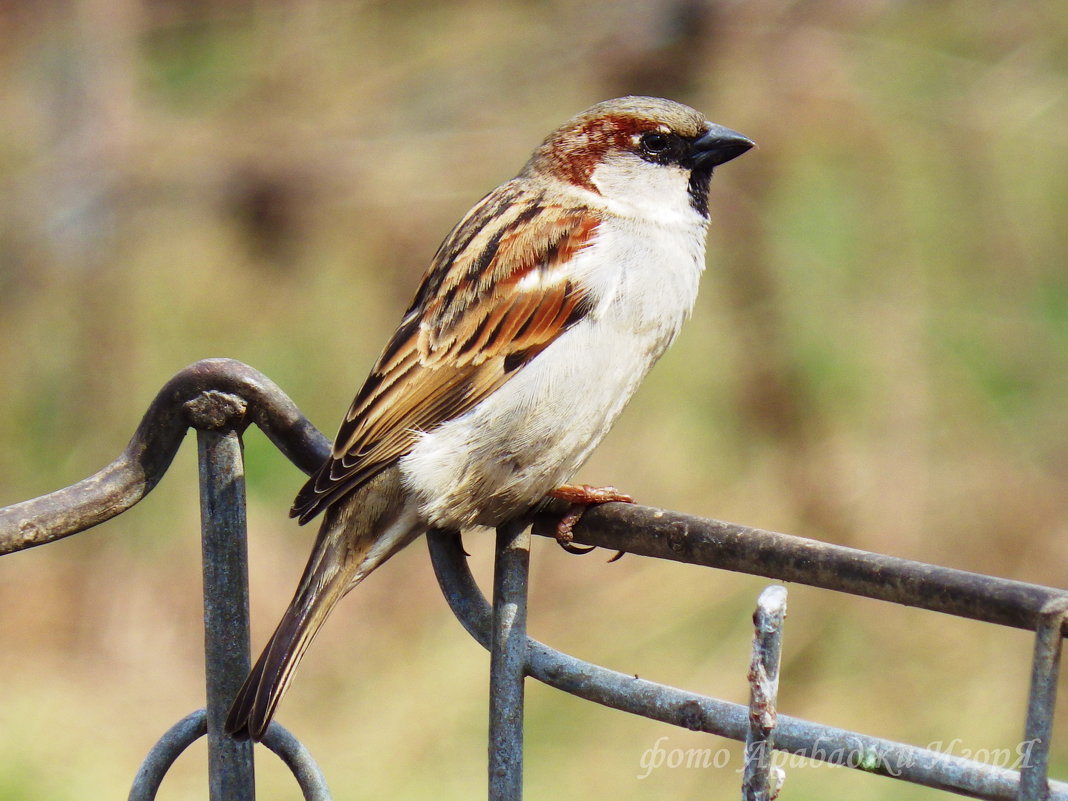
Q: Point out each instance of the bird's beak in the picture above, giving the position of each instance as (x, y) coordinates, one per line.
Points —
(716, 146)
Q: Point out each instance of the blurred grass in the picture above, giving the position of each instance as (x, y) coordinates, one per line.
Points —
(879, 358)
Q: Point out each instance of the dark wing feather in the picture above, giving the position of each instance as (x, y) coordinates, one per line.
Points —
(494, 297)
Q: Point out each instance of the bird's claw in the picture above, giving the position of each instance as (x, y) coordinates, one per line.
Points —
(578, 550)
(460, 541)
(582, 498)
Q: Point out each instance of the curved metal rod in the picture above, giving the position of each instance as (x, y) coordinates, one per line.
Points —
(162, 755)
(299, 760)
(193, 726)
(244, 392)
(629, 693)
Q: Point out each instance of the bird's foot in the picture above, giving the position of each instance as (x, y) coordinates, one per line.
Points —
(582, 497)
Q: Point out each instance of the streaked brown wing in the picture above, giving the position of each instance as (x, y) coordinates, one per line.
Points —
(493, 298)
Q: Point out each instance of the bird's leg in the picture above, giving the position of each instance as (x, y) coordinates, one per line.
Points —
(582, 497)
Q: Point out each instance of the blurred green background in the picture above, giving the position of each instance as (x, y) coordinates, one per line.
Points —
(879, 358)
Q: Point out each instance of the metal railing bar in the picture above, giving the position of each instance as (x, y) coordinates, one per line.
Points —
(194, 726)
(227, 638)
(128, 479)
(508, 650)
(713, 543)
(696, 712)
(1042, 701)
(760, 780)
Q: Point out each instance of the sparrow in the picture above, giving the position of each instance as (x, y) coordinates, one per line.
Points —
(538, 317)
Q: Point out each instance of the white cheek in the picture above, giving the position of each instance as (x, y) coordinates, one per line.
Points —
(635, 187)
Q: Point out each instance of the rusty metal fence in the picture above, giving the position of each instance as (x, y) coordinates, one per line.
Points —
(220, 398)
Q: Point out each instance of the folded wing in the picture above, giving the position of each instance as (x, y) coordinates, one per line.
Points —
(496, 294)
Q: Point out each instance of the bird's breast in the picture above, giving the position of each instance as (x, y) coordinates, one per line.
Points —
(539, 427)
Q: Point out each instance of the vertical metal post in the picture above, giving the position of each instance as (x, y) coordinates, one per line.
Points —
(508, 652)
(1034, 750)
(226, 616)
(757, 781)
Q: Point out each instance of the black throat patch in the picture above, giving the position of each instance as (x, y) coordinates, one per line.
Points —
(698, 190)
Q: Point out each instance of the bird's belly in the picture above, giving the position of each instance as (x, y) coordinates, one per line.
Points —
(532, 434)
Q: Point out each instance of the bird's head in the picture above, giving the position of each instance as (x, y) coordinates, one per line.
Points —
(639, 150)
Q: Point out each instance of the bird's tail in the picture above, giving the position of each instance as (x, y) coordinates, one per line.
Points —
(256, 701)
(339, 561)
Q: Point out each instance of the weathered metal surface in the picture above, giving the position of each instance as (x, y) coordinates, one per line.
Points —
(1042, 700)
(684, 538)
(508, 651)
(761, 780)
(629, 693)
(227, 641)
(162, 755)
(146, 458)
(299, 760)
(194, 726)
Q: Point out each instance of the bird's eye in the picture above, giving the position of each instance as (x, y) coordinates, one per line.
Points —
(655, 144)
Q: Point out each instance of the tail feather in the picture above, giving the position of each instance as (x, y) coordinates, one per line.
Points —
(256, 701)
(357, 535)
